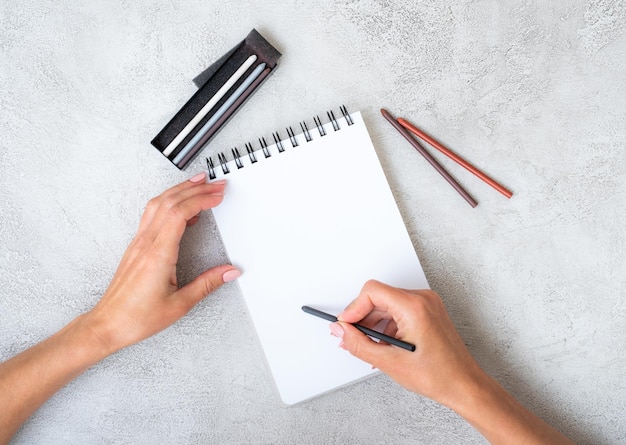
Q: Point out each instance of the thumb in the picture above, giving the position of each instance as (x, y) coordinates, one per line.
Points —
(361, 346)
(207, 282)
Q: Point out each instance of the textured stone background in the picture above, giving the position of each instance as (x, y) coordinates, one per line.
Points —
(533, 92)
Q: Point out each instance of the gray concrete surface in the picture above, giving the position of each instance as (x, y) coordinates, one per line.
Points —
(533, 92)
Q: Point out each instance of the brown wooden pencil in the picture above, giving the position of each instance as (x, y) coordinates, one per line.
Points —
(456, 158)
(447, 176)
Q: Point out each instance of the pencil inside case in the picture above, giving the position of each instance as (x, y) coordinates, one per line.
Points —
(222, 89)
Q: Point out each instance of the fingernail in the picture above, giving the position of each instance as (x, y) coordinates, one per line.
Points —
(336, 330)
(220, 182)
(198, 178)
(231, 275)
(340, 316)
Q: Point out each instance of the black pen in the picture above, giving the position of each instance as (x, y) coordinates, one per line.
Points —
(366, 331)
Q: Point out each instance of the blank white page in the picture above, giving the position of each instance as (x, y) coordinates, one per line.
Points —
(309, 226)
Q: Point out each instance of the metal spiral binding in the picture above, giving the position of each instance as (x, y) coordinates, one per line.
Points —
(292, 137)
(331, 116)
(305, 131)
(346, 115)
(211, 168)
(237, 158)
(250, 151)
(278, 141)
(266, 151)
(320, 127)
(223, 163)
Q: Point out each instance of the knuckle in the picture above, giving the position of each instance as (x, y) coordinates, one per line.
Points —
(153, 203)
(431, 295)
(139, 243)
(420, 304)
(361, 350)
(180, 309)
(210, 284)
(207, 287)
(353, 348)
(169, 201)
(371, 284)
(430, 300)
(354, 344)
(175, 211)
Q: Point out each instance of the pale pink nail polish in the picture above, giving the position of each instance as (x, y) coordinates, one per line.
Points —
(198, 178)
(336, 330)
(231, 275)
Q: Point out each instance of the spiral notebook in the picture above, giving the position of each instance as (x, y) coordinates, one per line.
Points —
(309, 219)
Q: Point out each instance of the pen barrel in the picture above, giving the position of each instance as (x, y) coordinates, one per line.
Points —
(384, 337)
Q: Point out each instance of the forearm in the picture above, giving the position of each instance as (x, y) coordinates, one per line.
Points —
(501, 419)
(32, 377)
(143, 299)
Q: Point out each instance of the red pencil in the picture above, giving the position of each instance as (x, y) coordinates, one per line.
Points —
(456, 158)
(432, 161)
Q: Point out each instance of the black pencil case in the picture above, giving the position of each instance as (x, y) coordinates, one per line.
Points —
(222, 89)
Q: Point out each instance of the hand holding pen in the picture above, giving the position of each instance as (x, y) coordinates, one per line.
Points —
(418, 317)
(441, 367)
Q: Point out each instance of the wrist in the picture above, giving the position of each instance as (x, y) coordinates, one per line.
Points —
(499, 417)
(487, 407)
(479, 392)
(475, 389)
(96, 337)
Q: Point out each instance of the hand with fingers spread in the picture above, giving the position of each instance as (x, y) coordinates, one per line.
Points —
(441, 368)
(142, 299)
